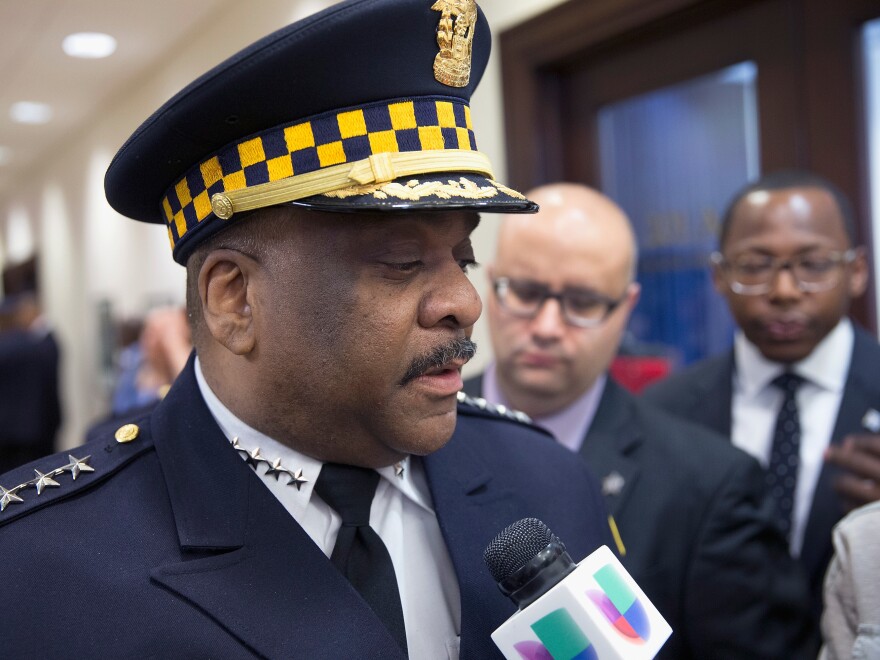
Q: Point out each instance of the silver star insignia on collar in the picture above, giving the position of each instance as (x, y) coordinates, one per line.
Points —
(8, 497)
(44, 481)
(297, 479)
(254, 458)
(275, 469)
(398, 469)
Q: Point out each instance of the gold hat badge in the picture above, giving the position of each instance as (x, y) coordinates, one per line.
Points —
(455, 36)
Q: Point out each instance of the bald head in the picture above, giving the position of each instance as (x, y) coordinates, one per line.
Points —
(580, 250)
(572, 213)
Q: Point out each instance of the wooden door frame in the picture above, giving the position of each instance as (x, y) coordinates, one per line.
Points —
(538, 56)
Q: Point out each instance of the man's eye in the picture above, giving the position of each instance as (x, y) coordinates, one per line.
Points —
(754, 267)
(816, 265)
(404, 266)
(527, 293)
(467, 265)
(583, 304)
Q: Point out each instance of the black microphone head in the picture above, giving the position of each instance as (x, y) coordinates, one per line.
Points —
(527, 560)
(515, 546)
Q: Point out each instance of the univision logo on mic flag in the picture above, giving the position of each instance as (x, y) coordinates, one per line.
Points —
(562, 638)
(597, 612)
(620, 605)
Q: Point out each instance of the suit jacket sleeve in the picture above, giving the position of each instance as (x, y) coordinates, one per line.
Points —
(741, 553)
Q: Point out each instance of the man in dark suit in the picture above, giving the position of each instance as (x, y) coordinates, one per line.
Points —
(696, 529)
(30, 406)
(311, 486)
(789, 267)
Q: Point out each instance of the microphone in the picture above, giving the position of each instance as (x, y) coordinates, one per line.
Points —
(592, 610)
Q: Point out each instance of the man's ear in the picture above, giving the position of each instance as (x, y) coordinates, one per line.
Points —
(858, 274)
(225, 283)
(718, 279)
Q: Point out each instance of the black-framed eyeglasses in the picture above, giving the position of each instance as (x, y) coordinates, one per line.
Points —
(754, 274)
(580, 307)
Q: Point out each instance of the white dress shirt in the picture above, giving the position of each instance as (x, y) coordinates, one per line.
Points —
(756, 403)
(402, 514)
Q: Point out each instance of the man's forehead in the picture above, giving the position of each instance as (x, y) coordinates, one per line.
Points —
(794, 210)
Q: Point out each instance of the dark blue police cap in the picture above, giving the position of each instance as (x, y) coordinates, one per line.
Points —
(361, 107)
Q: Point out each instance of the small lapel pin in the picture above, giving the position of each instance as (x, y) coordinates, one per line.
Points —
(613, 483)
(871, 420)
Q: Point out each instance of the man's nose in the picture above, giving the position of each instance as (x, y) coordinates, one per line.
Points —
(549, 323)
(784, 285)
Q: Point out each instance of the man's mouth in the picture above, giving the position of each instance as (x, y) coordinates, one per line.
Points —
(444, 363)
(443, 380)
(785, 329)
(538, 360)
(452, 365)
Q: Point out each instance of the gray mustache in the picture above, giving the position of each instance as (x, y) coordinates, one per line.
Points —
(457, 349)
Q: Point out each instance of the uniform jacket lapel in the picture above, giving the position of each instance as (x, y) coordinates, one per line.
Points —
(245, 563)
(471, 508)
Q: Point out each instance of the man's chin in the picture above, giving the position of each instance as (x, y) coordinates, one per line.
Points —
(540, 382)
(428, 434)
(785, 353)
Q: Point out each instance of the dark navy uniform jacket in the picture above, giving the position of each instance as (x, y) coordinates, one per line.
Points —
(173, 547)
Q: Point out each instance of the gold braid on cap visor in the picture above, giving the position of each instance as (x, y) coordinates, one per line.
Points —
(331, 152)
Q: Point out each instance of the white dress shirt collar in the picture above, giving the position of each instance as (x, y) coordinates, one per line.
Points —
(412, 485)
(401, 513)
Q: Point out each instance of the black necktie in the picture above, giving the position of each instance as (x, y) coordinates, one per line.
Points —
(782, 471)
(359, 553)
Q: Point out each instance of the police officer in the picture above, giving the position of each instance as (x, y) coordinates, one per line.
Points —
(311, 486)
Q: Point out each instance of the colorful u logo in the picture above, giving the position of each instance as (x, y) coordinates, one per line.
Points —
(561, 639)
(620, 606)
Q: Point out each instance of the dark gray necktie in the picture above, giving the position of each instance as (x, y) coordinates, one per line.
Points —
(359, 553)
(782, 471)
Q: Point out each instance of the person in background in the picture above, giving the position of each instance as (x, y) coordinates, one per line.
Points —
(851, 616)
(311, 486)
(30, 403)
(695, 527)
(799, 389)
(152, 360)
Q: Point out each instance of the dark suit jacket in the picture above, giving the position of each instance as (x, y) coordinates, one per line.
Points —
(699, 534)
(703, 393)
(30, 408)
(173, 547)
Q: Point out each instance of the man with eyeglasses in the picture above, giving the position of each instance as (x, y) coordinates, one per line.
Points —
(799, 390)
(693, 524)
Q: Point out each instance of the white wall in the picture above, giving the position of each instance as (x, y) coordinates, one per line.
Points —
(488, 116)
(90, 253)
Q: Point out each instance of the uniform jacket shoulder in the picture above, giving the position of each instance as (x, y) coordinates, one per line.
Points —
(476, 406)
(54, 479)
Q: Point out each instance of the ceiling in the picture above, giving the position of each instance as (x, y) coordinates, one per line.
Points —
(33, 66)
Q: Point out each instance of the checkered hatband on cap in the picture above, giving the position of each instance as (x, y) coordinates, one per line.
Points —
(335, 138)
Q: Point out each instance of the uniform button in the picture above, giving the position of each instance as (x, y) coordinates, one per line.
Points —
(127, 433)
